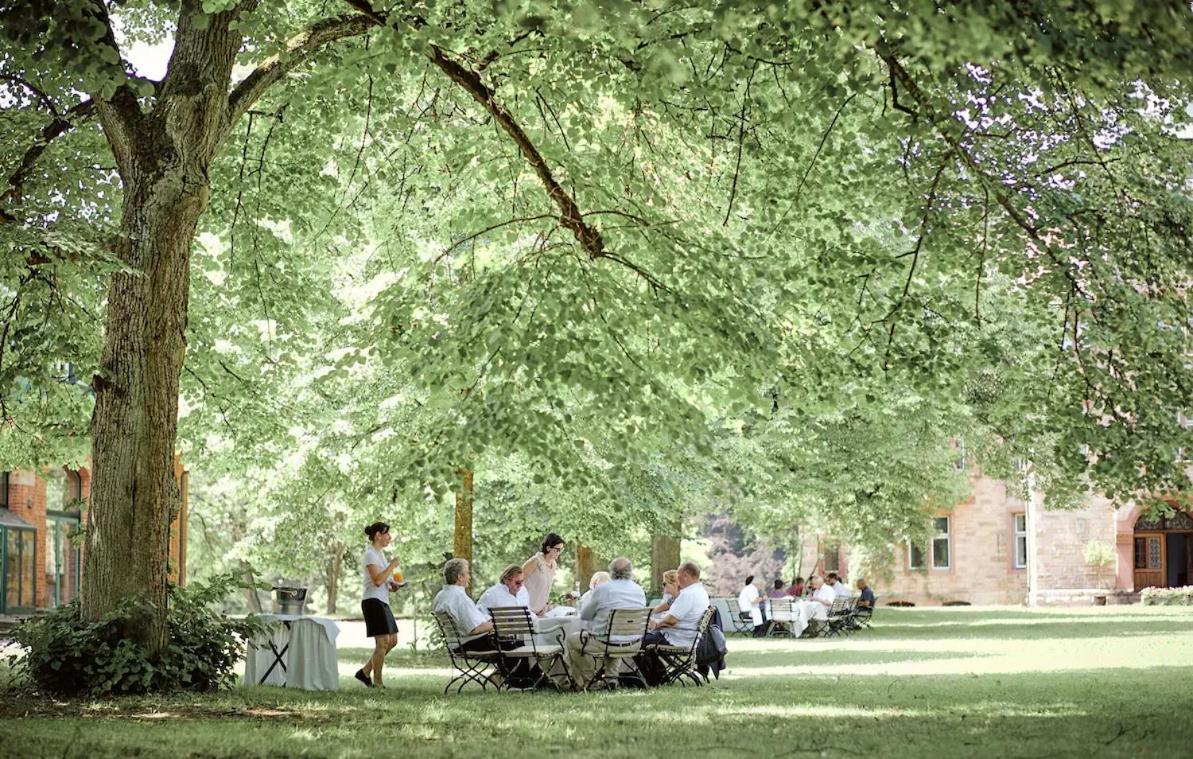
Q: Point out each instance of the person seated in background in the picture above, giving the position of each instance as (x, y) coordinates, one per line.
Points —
(838, 584)
(670, 591)
(866, 594)
(750, 600)
(678, 626)
(598, 578)
(508, 591)
(473, 624)
(797, 588)
(822, 598)
(777, 591)
(618, 592)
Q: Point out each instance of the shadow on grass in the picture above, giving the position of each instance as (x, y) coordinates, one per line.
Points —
(821, 658)
(1116, 712)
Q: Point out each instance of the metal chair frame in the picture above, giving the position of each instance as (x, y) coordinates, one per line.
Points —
(838, 618)
(740, 626)
(473, 666)
(679, 662)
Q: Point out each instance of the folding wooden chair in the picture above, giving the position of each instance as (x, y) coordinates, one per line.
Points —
(620, 642)
(473, 666)
(679, 662)
(782, 617)
(513, 624)
(838, 618)
(743, 623)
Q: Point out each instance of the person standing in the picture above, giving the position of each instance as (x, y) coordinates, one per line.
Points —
(381, 575)
(538, 573)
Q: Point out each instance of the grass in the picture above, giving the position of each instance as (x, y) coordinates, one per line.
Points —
(923, 682)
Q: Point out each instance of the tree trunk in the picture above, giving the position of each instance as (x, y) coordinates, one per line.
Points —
(462, 545)
(250, 593)
(664, 555)
(133, 493)
(335, 565)
(163, 157)
(587, 562)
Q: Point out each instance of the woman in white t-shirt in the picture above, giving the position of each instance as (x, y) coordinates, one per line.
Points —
(380, 576)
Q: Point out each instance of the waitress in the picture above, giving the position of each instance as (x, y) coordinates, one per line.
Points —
(538, 573)
(381, 575)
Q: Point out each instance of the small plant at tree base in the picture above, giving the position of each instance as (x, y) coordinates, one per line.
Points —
(1100, 557)
(66, 655)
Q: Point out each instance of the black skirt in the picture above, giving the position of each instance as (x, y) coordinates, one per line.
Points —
(379, 620)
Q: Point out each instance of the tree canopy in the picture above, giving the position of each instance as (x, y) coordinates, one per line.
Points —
(622, 257)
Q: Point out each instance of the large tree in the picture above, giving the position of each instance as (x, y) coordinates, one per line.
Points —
(639, 212)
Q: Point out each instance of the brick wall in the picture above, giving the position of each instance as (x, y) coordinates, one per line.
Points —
(1061, 537)
(981, 568)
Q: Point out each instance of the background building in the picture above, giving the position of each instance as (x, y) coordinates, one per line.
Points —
(42, 515)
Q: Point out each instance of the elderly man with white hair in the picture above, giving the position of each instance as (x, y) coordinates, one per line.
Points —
(474, 625)
(620, 592)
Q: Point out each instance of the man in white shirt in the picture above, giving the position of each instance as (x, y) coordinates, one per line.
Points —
(678, 627)
(473, 624)
(620, 592)
(750, 601)
(823, 596)
(840, 587)
(506, 593)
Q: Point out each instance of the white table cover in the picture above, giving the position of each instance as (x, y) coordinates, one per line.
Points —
(802, 613)
(311, 661)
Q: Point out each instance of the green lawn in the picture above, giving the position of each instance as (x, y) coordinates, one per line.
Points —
(922, 683)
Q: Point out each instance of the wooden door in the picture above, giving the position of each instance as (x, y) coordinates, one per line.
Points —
(1150, 560)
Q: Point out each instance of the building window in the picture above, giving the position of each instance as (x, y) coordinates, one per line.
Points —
(3, 490)
(940, 544)
(915, 556)
(1020, 541)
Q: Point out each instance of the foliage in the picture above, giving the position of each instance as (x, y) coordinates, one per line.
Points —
(65, 655)
(1098, 554)
(1167, 596)
(837, 238)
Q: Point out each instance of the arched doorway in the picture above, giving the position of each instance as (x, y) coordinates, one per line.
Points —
(1163, 551)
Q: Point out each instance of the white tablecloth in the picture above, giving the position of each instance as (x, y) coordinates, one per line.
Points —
(310, 653)
(548, 628)
(802, 613)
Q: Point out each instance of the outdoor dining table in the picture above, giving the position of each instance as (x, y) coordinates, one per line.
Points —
(298, 652)
(802, 613)
(548, 629)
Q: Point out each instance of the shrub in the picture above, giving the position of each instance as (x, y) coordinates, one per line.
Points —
(1167, 596)
(67, 655)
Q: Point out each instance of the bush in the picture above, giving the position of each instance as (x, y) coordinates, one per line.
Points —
(67, 655)
(1167, 596)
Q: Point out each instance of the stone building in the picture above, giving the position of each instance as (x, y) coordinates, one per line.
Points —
(41, 517)
(997, 548)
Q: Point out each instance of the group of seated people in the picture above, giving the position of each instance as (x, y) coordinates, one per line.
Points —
(819, 592)
(673, 623)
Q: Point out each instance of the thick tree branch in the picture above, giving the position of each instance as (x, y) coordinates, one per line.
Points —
(570, 216)
(299, 48)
